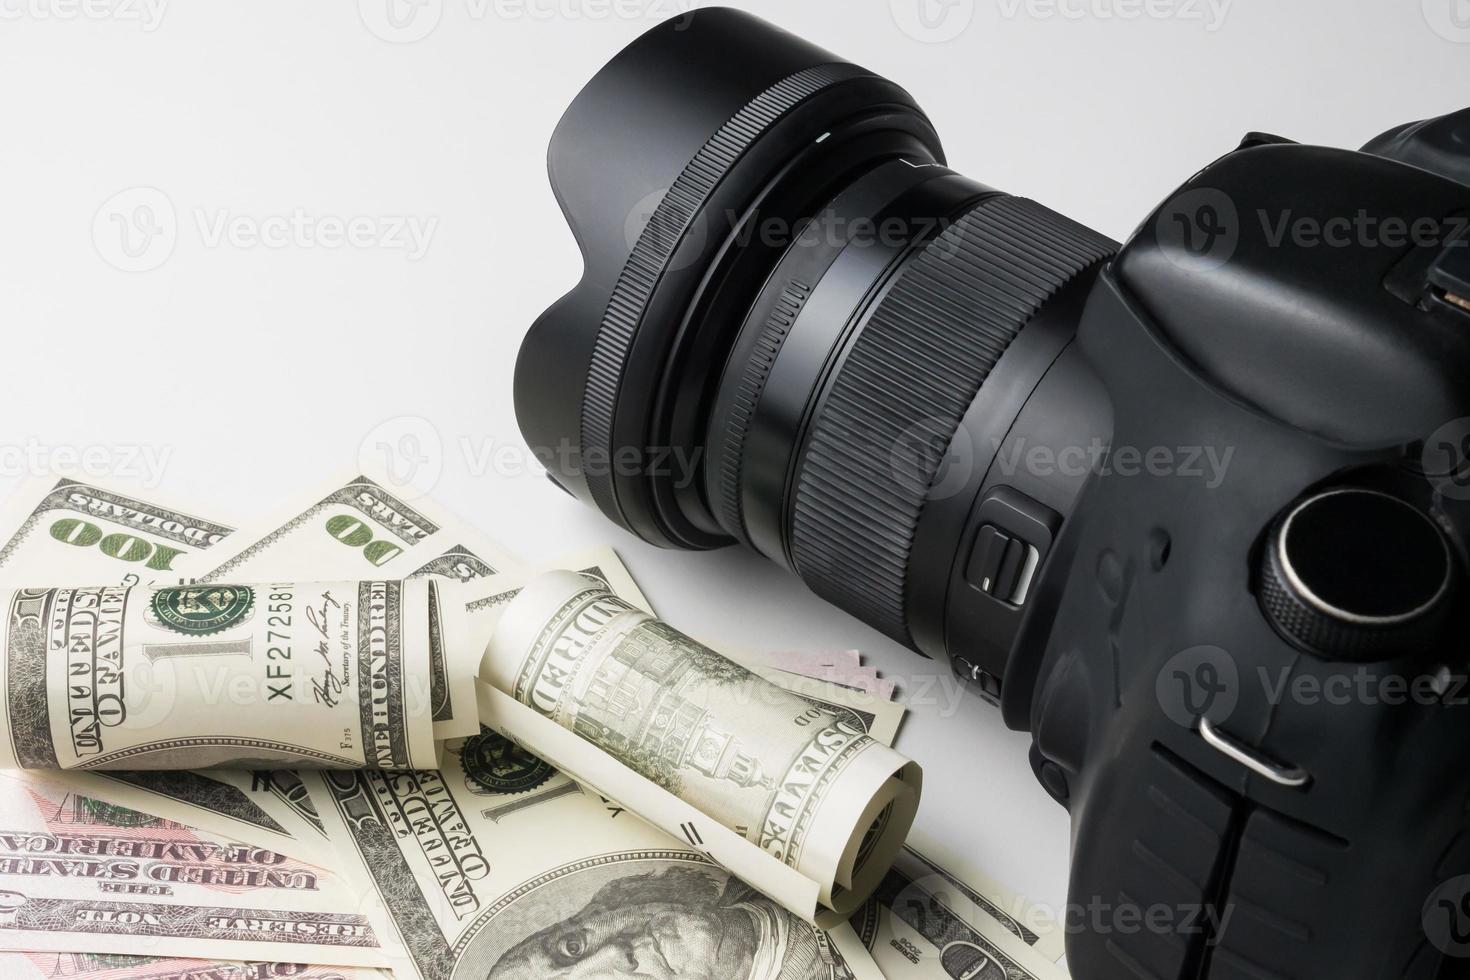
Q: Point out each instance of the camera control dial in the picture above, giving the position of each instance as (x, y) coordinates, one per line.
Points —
(1356, 574)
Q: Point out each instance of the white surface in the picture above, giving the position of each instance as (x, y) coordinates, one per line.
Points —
(251, 370)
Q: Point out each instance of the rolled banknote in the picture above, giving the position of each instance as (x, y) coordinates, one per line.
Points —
(315, 675)
(789, 796)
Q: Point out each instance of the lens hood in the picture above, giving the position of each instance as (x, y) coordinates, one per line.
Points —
(672, 167)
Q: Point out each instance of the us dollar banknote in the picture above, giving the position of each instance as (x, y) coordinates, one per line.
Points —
(358, 527)
(75, 531)
(499, 867)
(706, 737)
(102, 966)
(919, 926)
(78, 875)
(70, 531)
(199, 676)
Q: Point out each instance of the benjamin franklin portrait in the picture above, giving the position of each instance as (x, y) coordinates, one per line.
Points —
(686, 922)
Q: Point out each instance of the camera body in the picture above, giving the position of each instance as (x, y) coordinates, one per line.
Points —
(1193, 510)
(1316, 825)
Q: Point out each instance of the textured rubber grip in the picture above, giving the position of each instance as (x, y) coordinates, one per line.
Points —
(730, 451)
(655, 248)
(877, 441)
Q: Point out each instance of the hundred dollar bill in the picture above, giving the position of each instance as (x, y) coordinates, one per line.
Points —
(697, 743)
(200, 676)
(81, 876)
(218, 802)
(490, 597)
(75, 531)
(952, 872)
(356, 527)
(68, 531)
(104, 966)
(918, 926)
(498, 867)
(63, 524)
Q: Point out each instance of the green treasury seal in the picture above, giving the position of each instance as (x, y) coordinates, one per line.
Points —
(493, 764)
(198, 610)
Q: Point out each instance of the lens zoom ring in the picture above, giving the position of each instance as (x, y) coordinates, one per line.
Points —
(877, 442)
(655, 247)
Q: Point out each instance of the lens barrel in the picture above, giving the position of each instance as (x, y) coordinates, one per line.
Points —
(814, 314)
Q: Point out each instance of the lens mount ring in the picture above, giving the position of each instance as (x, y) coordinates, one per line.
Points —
(656, 245)
(881, 432)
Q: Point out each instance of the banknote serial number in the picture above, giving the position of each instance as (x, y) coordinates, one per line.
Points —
(280, 614)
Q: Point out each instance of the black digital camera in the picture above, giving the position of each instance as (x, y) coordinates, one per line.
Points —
(1193, 510)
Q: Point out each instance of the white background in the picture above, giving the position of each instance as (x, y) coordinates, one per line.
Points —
(229, 373)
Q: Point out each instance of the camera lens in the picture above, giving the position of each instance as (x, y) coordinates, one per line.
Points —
(799, 330)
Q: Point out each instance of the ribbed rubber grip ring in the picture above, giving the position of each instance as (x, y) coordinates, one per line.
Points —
(878, 439)
(655, 247)
(730, 452)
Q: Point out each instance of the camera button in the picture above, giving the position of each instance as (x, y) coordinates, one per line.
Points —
(1002, 565)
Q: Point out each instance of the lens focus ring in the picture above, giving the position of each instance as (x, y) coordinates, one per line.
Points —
(877, 441)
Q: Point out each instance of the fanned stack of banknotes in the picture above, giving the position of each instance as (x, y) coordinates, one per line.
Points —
(363, 741)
